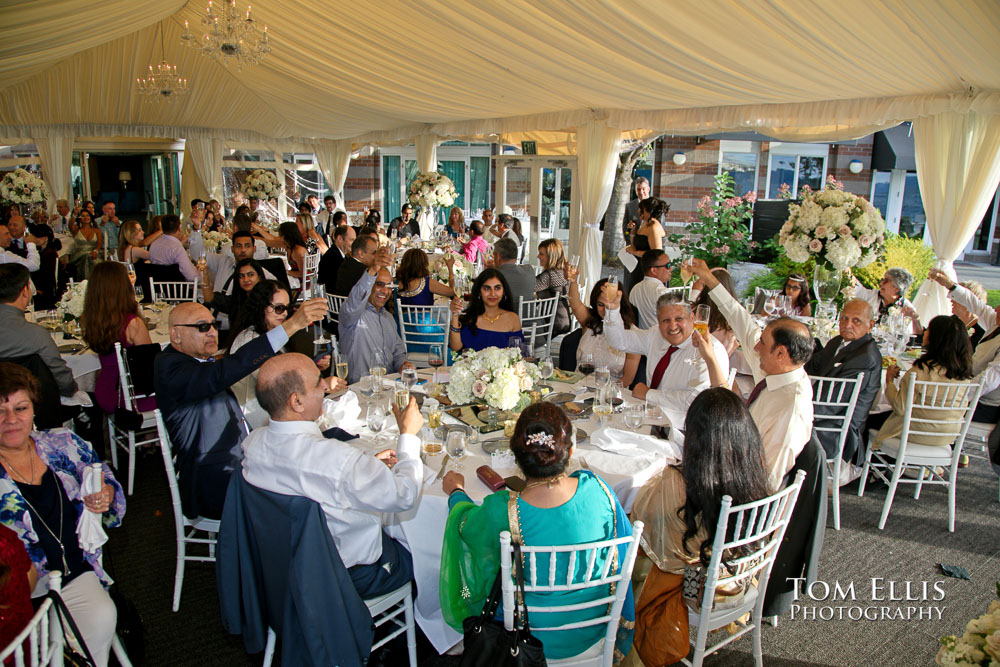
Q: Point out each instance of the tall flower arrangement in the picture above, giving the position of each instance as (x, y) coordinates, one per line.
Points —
(261, 184)
(71, 304)
(838, 229)
(22, 187)
(721, 235)
(430, 189)
(497, 377)
(215, 241)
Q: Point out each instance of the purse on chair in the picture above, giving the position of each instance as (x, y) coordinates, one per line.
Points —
(489, 644)
(70, 655)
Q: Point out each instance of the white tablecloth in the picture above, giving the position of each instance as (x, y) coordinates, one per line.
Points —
(422, 529)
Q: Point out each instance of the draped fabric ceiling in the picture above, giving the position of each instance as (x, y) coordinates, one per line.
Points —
(389, 71)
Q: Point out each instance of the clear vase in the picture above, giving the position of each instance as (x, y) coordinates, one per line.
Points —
(826, 284)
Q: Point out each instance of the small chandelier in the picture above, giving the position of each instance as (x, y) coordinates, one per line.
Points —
(231, 35)
(163, 82)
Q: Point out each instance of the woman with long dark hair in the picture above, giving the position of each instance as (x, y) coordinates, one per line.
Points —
(248, 273)
(797, 288)
(554, 508)
(649, 235)
(946, 357)
(111, 315)
(416, 287)
(718, 325)
(723, 456)
(590, 315)
(491, 306)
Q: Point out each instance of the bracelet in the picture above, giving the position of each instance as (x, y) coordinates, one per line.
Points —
(456, 329)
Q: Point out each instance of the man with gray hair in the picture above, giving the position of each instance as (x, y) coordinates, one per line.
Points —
(520, 278)
(853, 351)
(61, 219)
(675, 373)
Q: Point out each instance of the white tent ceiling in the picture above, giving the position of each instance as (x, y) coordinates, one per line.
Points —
(389, 70)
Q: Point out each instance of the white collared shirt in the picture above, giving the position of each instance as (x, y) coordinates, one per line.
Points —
(352, 486)
(986, 357)
(644, 297)
(681, 381)
(783, 412)
(31, 262)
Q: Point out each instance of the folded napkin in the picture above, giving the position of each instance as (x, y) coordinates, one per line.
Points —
(607, 463)
(343, 412)
(89, 529)
(627, 443)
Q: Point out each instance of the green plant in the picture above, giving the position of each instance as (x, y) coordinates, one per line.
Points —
(910, 254)
(779, 269)
(721, 236)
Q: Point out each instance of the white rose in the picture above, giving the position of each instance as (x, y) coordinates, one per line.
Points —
(478, 388)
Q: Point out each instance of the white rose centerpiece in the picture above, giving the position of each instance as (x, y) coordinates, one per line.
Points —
(215, 241)
(71, 304)
(462, 266)
(431, 189)
(979, 645)
(22, 187)
(496, 377)
(261, 184)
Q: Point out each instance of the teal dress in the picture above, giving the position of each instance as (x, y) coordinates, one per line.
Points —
(421, 296)
(470, 559)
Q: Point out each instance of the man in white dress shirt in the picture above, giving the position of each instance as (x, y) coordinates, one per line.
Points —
(781, 401)
(353, 486)
(60, 221)
(675, 371)
(656, 274)
(29, 259)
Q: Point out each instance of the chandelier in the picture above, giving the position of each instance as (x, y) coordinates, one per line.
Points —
(162, 82)
(230, 34)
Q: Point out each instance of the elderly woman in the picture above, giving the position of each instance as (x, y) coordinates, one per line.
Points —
(554, 508)
(41, 474)
(891, 293)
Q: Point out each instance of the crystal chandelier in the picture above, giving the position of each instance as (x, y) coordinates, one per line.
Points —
(230, 34)
(162, 82)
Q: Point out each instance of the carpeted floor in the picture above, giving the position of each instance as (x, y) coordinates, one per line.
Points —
(141, 555)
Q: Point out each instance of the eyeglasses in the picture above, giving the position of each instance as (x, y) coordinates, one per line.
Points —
(661, 266)
(278, 308)
(203, 327)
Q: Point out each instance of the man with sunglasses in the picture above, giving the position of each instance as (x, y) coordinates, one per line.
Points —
(656, 275)
(200, 412)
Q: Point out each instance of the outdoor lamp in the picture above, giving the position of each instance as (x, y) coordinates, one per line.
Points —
(855, 166)
(680, 158)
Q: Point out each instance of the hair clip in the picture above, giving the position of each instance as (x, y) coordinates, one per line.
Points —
(543, 440)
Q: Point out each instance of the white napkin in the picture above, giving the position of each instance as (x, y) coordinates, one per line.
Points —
(628, 443)
(79, 398)
(627, 259)
(344, 412)
(615, 464)
(89, 529)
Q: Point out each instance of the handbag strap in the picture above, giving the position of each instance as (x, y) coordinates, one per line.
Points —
(63, 613)
(519, 602)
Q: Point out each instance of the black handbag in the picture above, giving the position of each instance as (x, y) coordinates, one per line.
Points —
(489, 644)
(70, 656)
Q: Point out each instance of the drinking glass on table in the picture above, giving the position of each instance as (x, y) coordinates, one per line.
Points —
(435, 359)
(377, 368)
(770, 304)
(702, 313)
(138, 293)
(546, 368)
(586, 365)
(514, 342)
(376, 418)
(456, 444)
(634, 415)
(603, 406)
(602, 376)
(409, 377)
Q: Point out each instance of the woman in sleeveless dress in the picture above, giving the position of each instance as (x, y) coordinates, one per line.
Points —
(417, 288)
(649, 235)
(86, 241)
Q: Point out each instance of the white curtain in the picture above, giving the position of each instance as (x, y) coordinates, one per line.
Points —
(206, 158)
(334, 159)
(597, 156)
(427, 161)
(56, 154)
(958, 168)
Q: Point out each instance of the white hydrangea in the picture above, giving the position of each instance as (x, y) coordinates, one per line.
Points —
(498, 377)
(432, 189)
(843, 253)
(798, 249)
(834, 217)
(71, 304)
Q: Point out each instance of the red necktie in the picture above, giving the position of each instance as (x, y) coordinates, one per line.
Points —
(661, 367)
(755, 392)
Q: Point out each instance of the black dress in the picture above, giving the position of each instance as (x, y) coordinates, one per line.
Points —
(641, 242)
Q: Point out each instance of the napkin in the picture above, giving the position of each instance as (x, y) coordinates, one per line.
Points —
(89, 529)
(627, 443)
(344, 412)
(603, 462)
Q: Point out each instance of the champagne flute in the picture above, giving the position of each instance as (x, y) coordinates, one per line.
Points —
(702, 312)
(341, 367)
(131, 273)
(319, 292)
(401, 394)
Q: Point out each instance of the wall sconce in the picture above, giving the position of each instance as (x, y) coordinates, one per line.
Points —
(124, 177)
(855, 166)
(680, 158)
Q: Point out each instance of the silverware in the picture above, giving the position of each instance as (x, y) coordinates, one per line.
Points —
(444, 464)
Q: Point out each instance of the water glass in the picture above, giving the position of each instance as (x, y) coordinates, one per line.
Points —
(376, 418)
(546, 368)
(409, 376)
(602, 376)
(634, 415)
(456, 444)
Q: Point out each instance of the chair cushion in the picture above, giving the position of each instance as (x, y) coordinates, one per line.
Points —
(943, 452)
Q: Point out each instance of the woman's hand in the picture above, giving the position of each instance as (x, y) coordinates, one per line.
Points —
(453, 481)
(457, 304)
(449, 260)
(100, 502)
(323, 362)
(570, 272)
(892, 373)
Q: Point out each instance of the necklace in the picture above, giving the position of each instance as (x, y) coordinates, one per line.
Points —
(549, 482)
(31, 467)
(35, 512)
(494, 319)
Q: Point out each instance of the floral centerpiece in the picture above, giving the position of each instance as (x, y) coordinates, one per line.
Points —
(261, 184)
(431, 189)
(721, 236)
(838, 229)
(22, 187)
(979, 645)
(215, 241)
(462, 267)
(496, 377)
(71, 304)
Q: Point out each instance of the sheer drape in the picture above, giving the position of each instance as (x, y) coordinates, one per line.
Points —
(597, 156)
(958, 167)
(426, 145)
(206, 158)
(56, 154)
(334, 159)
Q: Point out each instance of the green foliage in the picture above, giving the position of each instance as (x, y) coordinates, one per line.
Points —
(993, 297)
(722, 235)
(779, 269)
(910, 254)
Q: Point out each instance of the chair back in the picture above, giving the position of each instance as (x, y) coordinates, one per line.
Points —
(422, 326)
(538, 318)
(836, 399)
(135, 372)
(310, 271)
(168, 463)
(334, 303)
(568, 348)
(41, 641)
(276, 267)
(174, 291)
(563, 576)
(938, 403)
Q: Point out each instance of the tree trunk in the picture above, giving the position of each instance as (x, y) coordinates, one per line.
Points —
(613, 239)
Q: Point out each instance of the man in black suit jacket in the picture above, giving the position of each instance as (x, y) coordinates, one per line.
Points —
(350, 271)
(343, 239)
(853, 351)
(201, 414)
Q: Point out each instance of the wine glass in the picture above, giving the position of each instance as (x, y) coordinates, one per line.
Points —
(375, 418)
(401, 394)
(602, 376)
(377, 370)
(435, 359)
(456, 444)
(546, 368)
(586, 365)
(770, 305)
(603, 405)
(319, 292)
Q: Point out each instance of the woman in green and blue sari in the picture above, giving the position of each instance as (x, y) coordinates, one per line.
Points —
(553, 509)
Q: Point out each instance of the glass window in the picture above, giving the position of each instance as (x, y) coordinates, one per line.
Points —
(880, 191)
(479, 183)
(240, 155)
(564, 197)
(795, 171)
(391, 187)
(912, 219)
(743, 168)
(783, 172)
(810, 173)
(301, 184)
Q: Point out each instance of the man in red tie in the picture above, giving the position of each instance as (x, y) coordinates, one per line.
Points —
(781, 401)
(675, 371)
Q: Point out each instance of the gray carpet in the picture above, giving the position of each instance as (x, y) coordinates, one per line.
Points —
(916, 539)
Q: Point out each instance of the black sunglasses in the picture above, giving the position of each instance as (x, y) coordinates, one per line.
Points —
(278, 308)
(203, 327)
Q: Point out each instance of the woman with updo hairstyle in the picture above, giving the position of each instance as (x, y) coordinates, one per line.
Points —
(649, 235)
(552, 509)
